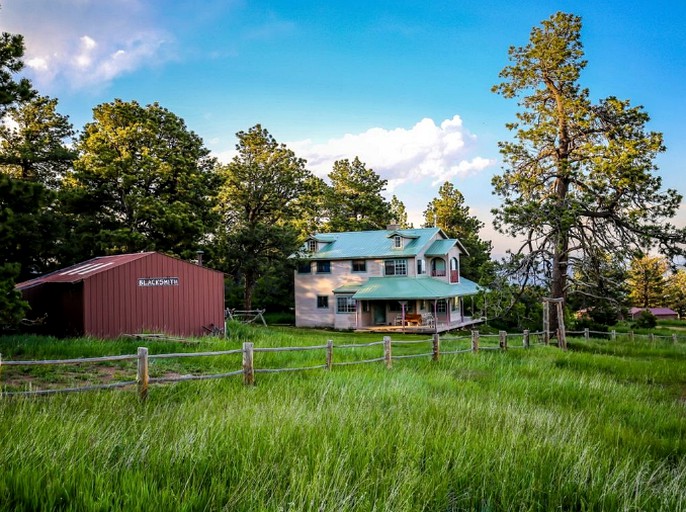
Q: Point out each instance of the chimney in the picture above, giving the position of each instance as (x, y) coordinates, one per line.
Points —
(392, 226)
(199, 261)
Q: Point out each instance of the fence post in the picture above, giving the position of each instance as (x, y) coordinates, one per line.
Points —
(587, 334)
(631, 335)
(436, 347)
(387, 351)
(329, 354)
(142, 376)
(652, 338)
(248, 369)
(475, 341)
(614, 335)
(562, 330)
(673, 341)
(546, 322)
(525, 338)
(503, 340)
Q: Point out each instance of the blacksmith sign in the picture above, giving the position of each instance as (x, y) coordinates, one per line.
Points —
(158, 281)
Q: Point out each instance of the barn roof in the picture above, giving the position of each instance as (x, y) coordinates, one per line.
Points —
(83, 270)
(80, 271)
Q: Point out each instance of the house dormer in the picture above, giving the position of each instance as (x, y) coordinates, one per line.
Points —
(400, 240)
(315, 243)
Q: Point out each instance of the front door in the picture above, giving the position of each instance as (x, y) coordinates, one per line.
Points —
(379, 313)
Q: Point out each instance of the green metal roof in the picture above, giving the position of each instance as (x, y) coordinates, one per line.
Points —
(372, 244)
(424, 288)
(440, 247)
(348, 288)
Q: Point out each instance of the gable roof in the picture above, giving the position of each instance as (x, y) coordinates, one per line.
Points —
(375, 244)
(423, 288)
(442, 247)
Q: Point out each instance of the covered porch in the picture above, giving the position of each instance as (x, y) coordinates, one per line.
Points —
(438, 327)
(413, 305)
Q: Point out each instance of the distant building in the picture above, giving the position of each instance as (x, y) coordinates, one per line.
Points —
(659, 313)
(128, 294)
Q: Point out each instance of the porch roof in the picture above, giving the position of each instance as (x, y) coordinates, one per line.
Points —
(423, 288)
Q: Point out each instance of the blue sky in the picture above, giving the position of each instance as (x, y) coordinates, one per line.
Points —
(404, 85)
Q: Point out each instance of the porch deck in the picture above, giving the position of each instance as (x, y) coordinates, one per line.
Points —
(423, 329)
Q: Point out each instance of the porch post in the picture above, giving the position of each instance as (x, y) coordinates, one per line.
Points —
(436, 314)
(461, 301)
(403, 303)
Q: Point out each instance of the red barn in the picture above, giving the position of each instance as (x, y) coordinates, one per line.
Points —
(129, 293)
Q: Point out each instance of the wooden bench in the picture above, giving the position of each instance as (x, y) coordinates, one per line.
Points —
(413, 319)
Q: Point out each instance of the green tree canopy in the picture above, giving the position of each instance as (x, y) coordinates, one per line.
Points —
(34, 142)
(647, 281)
(578, 177)
(398, 213)
(449, 212)
(355, 201)
(11, 63)
(257, 202)
(675, 292)
(142, 181)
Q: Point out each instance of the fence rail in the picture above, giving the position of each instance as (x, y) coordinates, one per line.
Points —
(248, 350)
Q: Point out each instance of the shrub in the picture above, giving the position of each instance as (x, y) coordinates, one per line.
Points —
(645, 320)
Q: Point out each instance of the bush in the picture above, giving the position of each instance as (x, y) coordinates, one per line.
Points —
(646, 320)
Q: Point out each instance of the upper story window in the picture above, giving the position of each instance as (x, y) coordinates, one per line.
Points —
(398, 242)
(304, 267)
(395, 267)
(359, 265)
(312, 246)
(421, 267)
(323, 267)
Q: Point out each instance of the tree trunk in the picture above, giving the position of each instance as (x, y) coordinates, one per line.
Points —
(250, 280)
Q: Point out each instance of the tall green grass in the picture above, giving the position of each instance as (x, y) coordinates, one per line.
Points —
(600, 427)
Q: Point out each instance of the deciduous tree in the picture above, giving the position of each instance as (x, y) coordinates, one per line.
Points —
(579, 176)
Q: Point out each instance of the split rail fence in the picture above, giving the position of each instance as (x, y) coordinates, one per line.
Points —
(248, 369)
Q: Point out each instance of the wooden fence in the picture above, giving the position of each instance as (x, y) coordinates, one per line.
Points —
(248, 370)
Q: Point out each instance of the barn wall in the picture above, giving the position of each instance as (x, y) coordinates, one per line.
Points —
(115, 304)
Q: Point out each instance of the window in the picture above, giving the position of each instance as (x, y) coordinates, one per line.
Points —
(397, 242)
(323, 267)
(345, 304)
(312, 245)
(322, 302)
(441, 306)
(359, 265)
(421, 267)
(396, 267)
(304, 267)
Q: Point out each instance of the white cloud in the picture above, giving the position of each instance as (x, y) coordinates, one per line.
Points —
(86, 43)
(425, 152)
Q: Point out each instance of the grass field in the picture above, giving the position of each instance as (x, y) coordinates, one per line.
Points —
(600, 427)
